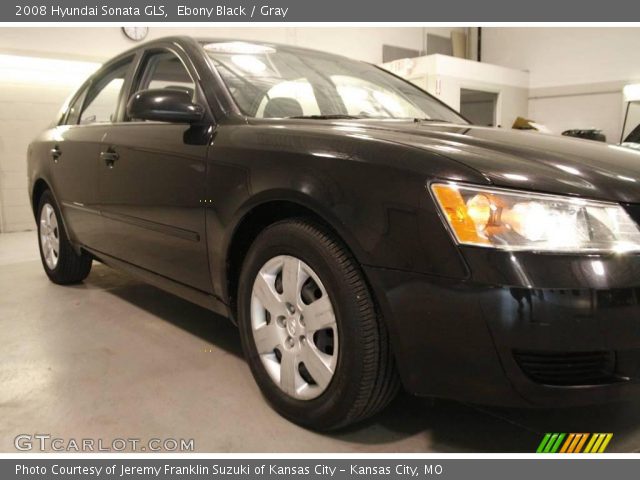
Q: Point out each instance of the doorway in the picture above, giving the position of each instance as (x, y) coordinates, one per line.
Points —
(479, 107)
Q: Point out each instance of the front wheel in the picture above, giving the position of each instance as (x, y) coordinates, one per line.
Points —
(61, 263)
(311, 333)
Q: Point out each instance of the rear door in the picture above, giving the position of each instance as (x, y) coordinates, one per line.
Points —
(75, 148)
(151, 182)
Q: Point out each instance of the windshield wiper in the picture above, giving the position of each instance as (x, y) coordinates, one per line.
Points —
(328, 117)
(440, 120)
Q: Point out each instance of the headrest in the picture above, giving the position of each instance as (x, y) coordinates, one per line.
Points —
(282, 107)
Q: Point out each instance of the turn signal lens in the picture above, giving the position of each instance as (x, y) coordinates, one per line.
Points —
(455, 208)
(515, 220)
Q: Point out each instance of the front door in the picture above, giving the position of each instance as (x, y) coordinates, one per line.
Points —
(151, 185)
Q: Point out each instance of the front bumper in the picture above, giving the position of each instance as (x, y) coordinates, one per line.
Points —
(524, 329)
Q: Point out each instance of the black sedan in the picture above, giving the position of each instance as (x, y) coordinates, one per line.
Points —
(361, 234)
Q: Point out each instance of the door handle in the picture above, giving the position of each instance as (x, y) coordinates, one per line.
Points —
(109, 157)
(55, 153)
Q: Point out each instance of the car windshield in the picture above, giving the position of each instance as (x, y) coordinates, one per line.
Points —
(269, 82)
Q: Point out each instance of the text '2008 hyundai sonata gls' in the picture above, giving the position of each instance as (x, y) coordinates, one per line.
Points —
(360, 233)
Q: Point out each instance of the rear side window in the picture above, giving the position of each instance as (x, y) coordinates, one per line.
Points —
(101, 102)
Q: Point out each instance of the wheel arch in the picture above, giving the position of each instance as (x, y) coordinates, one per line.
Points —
(264, 213)
(39, 187)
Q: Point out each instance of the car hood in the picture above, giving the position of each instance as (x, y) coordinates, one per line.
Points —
(517, 159)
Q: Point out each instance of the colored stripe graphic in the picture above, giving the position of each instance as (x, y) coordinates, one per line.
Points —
(605, 443)
(574, 443)
(581, 443)
(556, 446)
(543, 443)
(571, 447)
(591, 443)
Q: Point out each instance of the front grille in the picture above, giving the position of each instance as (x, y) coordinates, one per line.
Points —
(568, 368)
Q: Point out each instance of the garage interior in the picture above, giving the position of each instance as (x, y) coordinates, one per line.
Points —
(114, 357)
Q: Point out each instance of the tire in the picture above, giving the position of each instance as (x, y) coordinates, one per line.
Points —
(60, 261)
(354, 340)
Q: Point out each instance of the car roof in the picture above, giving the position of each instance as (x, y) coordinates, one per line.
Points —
(277, 46)
(182, 39)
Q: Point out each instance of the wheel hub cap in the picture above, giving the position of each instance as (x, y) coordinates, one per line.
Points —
(49, 236)
(294, 327)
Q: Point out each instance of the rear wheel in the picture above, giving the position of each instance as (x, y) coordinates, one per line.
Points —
(61, 263)
(310, 329)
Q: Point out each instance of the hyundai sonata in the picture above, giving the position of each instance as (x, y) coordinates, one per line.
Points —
(360, 233)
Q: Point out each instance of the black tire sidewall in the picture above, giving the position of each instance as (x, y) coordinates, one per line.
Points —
(332, 406)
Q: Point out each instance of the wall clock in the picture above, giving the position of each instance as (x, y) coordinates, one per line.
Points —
(135, 33)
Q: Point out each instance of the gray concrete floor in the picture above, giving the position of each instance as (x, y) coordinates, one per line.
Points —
(116, 358)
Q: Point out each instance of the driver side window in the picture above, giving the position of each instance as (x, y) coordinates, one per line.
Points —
(164, 70)
(101, 102)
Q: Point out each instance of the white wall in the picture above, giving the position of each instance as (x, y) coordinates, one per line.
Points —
(603, 111)
(30, 96)
(576, 74)
(28, 102)
(565, 56)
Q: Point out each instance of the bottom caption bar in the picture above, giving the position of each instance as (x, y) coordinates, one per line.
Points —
(458, 468)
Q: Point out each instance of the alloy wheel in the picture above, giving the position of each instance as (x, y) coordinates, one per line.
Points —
(49, 236)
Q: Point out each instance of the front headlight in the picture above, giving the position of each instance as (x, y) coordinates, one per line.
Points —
(513, 220)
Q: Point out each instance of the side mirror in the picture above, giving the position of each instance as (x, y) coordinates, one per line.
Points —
(164, 105)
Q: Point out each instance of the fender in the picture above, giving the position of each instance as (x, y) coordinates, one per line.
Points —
(317, 207)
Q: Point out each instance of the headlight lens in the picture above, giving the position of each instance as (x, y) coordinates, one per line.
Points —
(512, 220)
